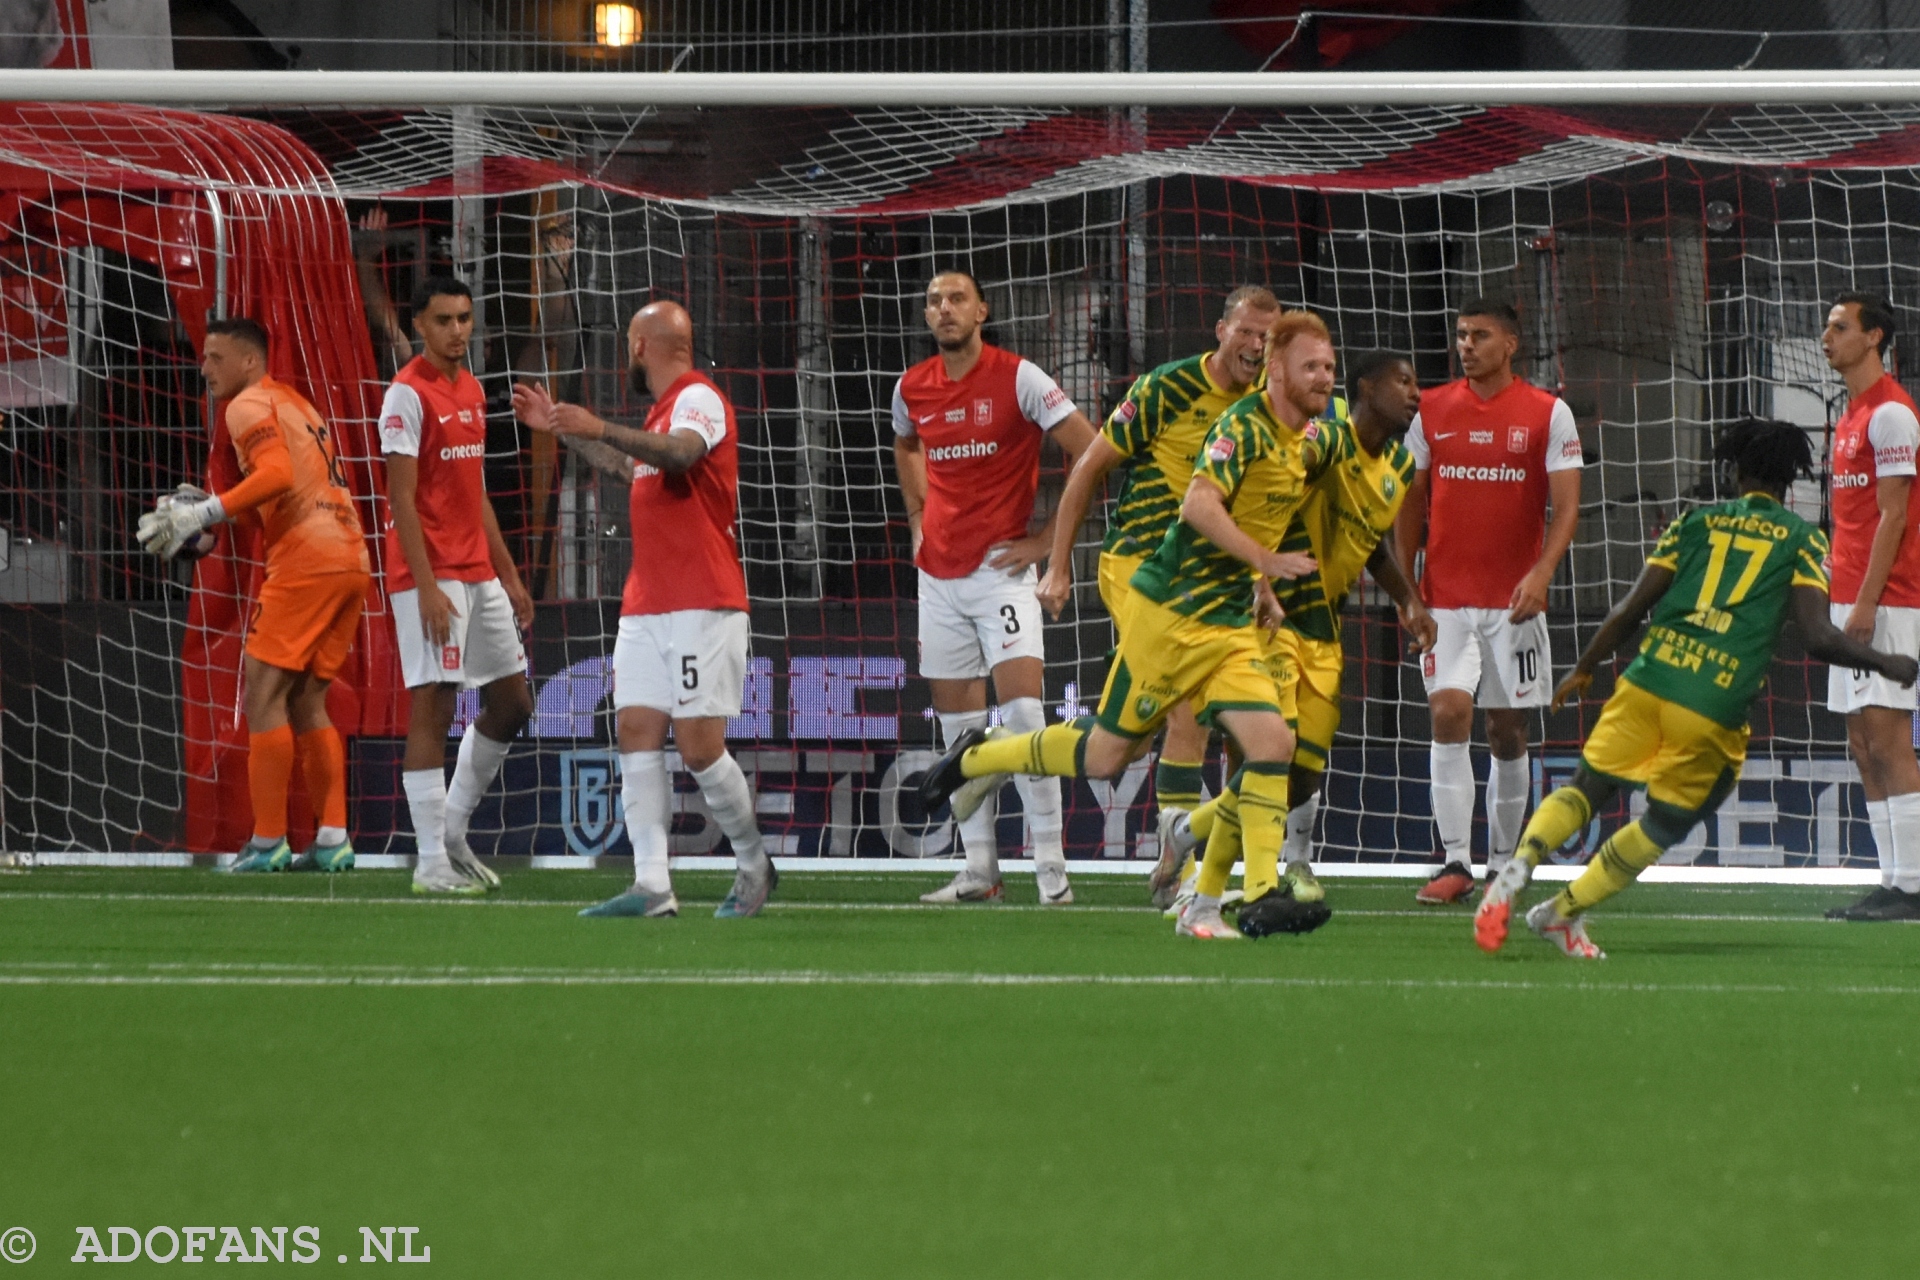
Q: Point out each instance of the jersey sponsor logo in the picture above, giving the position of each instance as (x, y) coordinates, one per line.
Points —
(1478, 437)
(394, 424)
(1894, 455)
(982, 413)
(953, 415)
(1053, 399)
(454, 451)
(1571, 449)
(965, 449)
(466, 415)
(1516, 439)
(1852, 480)
(1503, 474)
(1221, 449)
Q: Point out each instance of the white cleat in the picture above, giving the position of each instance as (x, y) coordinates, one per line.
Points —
(441, 878)
(1163, 882)
(974, 792)
(461, 858)
(1205, 923)
(1491, 917)
(968, 886)
(1184, 896)
(1570, 936)
(1052, 879)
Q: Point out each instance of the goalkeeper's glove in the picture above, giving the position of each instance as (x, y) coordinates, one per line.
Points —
(177, 517)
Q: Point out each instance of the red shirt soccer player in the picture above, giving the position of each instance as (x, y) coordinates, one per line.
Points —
(458, 605)
(681, 654)
(1875, 573)
(967, 428)
(1490, 453)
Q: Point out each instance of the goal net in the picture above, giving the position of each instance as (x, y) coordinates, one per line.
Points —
(1671, 266)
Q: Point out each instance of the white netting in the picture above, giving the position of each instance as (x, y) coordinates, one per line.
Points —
(1670, 268)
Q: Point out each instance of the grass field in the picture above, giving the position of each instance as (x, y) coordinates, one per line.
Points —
(854, 1086)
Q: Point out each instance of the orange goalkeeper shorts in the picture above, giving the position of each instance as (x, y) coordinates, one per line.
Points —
(308, 624)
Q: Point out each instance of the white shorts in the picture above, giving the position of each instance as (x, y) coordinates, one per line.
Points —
(483, 642)
(1504, 665)
(689, 664)
(1895, 630)
(970, 625)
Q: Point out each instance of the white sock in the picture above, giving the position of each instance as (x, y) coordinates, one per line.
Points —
(1508, 785)
(646, 795)
(474, 770)
(1903, 820)
(1451, 769)
(1880, 822)
(1040, 797)
(427, 802)
(976, 833)
(724, 784)
(330, 835)
(1299, 846)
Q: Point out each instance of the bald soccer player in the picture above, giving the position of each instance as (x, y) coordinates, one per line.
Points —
(680, 658)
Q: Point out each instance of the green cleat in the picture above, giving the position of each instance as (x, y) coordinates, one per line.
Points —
(274, 857)
(326, 857)
(1300, 882)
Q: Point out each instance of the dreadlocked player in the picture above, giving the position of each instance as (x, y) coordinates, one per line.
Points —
(1719, 583)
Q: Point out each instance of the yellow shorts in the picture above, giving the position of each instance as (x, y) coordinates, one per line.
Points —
(1167, 658)
(1115, 573)
(1681, 757)
(1306, 674)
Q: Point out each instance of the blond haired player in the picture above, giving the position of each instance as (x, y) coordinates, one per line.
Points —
(1190, 633)
(310, 602)
(1155, 432)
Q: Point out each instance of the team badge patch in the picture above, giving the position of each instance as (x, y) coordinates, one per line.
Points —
(1145, 705)
(982, 413)
(1125, 412)
(1386, 487)
(1516, 439)
(1221, 449)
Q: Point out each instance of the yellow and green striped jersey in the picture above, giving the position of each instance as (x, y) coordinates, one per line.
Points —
(1264, 468)
(1349, 510)
(1158, 427)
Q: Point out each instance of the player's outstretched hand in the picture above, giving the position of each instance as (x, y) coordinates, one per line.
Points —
(1420, 625)
(1289, 564)
(1902, 670)
(533, 406)
(1054, 589)
(1016, 557)
(1572, 689)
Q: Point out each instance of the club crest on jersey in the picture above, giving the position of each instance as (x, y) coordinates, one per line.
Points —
(982, 413)
(1516, 439)
(1386, 487)
(1221, 449)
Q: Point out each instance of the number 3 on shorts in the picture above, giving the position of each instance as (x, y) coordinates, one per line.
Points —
(689, 672)
(1012, 615)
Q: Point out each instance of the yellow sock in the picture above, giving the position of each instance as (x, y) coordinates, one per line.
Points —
(1054, 750)
(1223, 843)
(1627, 853)
(1554, 823)
(1200, 821)
(1263, 826)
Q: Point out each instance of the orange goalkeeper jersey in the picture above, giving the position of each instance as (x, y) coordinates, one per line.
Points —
(294, 482)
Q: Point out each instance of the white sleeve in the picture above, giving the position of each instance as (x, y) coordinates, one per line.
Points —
(1563, 440)
(1417, 446)
(1041, 399)
(902, 420)
(1894, 433)
(400, 415)
(698, 409)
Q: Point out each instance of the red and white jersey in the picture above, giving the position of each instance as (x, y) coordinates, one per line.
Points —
(981, 439)
(685, 553)
(1487, 463)
(444, 425)
(1877, 436)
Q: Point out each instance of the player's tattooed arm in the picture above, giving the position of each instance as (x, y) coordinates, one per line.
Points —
(673, 452)
(1384, 565)
(602, 457)
(1811, 611)
(1615, 632)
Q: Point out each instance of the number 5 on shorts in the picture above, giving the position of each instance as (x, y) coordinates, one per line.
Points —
(689, 672)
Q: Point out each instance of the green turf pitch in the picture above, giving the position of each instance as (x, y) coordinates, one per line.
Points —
(854, 1086)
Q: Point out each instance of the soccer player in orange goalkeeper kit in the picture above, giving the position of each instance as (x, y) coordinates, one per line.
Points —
(309, 608)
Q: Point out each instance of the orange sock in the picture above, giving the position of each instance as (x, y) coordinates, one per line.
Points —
(269, 768)
(324, 759)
